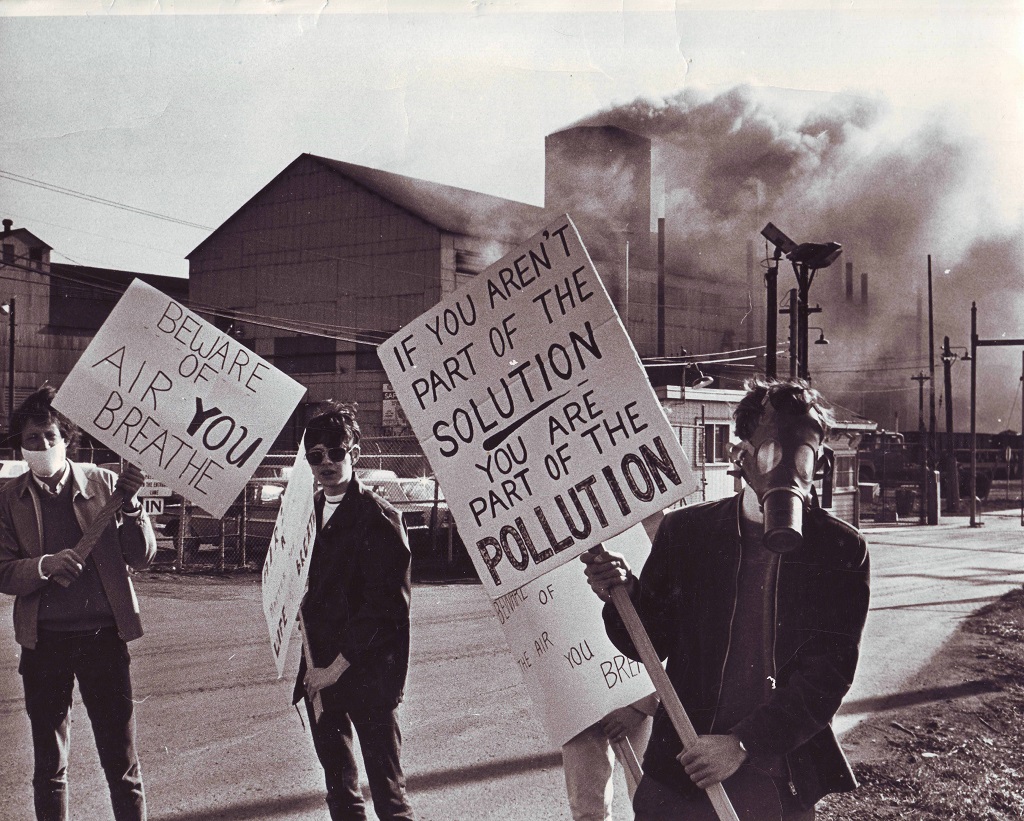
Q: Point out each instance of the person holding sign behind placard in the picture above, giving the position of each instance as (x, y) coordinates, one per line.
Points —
(355, 619)
(757, 602)
(75, 607)
(588, 758)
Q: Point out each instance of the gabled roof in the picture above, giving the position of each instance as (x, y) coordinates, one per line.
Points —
(26, 236)
(455, 210)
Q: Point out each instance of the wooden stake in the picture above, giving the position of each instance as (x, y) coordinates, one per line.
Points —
(318, 703)
(91, 536)
(669, 699)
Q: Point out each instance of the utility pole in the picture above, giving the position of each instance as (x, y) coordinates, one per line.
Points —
(931, 370)
(949, 455)
(921, 378)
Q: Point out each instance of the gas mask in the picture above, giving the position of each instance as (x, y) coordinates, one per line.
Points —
(778, 462)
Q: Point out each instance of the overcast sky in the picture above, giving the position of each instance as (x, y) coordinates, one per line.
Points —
(189, 114)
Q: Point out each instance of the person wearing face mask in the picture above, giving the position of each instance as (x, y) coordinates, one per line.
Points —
(73, 616)
(355, 618)
(757, 602)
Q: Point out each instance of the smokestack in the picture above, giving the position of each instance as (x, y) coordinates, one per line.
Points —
(863, 289)
(8, 224)
(661, 286)
(849, 282)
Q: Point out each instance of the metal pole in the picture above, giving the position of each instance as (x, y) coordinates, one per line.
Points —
(771, 328)
(1020, 467)
(931, 370)
(10, 368)
(802, 311)
(952, 471)
(974, 417)
(661, 286)
(794, 341)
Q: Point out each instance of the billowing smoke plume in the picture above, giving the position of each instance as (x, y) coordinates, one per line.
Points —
(852, 172)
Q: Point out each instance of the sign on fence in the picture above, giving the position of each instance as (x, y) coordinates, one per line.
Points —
(534, 411)
(555, 631)
(286, 567)
(184, 401)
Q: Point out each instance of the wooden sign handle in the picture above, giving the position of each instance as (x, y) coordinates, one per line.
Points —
(91, 536)
(669, 699)
(318, 703)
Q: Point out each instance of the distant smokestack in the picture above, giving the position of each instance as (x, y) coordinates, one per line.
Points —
(849, 282)
(863, 289)
(8, 224)
(661, 286)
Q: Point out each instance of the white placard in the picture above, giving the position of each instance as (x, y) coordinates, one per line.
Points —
(553, 625)
(534, 411)
(286, 567)
(184, 401)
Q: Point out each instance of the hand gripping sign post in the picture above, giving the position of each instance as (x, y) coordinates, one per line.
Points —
(533, 409)
(181, 399)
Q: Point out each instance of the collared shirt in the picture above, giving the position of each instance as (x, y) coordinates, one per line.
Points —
(60, 485)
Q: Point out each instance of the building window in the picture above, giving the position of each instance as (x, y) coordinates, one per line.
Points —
(304, 354)
(366, 355)
(35, 256)
(842, 473)
(716, 443)
(8, 254)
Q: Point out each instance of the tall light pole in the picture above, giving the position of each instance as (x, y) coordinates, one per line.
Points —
(807, 258)
(949, 356)
(8, 308)
(931, 371)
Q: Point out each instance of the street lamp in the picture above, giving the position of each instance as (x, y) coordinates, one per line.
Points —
(807, 258)
(821, 336)
(8, 308)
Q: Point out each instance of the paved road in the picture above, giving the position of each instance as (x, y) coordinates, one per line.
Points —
(219, 740)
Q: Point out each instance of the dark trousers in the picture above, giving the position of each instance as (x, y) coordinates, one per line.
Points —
(381, 741)
(763, 799)
(100, 661)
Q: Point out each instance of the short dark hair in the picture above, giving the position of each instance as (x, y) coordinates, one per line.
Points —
(334, 425)
(793, 396)
(37, 408)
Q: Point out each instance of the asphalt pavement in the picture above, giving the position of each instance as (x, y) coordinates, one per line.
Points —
(219, 739)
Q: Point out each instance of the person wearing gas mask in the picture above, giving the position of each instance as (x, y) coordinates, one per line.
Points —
(757, 602)
(73, 615)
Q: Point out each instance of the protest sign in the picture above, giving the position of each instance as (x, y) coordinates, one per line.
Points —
(554, 628)
(534, 411)
(181, 399)
(287, 564)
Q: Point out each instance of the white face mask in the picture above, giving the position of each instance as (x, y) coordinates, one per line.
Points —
(49, 462)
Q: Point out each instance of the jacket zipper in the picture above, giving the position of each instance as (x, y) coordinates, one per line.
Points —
(732, 618)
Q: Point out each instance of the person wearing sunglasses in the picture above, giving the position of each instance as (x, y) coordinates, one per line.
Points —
(356, 620)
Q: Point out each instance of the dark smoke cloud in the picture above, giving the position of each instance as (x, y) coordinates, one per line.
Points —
(849, 170)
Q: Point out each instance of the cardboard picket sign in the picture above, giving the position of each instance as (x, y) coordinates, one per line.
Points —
(184, 401)
(533, 409)
(554, 628)
(286, 567)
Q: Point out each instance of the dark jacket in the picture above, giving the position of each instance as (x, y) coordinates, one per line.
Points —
(357, 602)
(686, 597)
(21, 544)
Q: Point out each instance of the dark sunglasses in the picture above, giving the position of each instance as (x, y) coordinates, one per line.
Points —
(336, 455)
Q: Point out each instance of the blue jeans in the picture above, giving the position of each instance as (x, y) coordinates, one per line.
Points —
(100, 661)
(381, 742)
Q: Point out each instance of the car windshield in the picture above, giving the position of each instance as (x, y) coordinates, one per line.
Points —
(390, 490)
(421, 490)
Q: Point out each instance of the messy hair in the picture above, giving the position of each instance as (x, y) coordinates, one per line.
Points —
(37, 408)
(334, 425)
(792, 396)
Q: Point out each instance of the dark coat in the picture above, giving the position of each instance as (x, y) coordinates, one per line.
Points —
(686, 596)
(357, 602)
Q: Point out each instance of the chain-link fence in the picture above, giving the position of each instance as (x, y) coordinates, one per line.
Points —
(394, 468)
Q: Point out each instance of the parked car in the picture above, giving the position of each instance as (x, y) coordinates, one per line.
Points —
(258, 505)
(10, 469)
